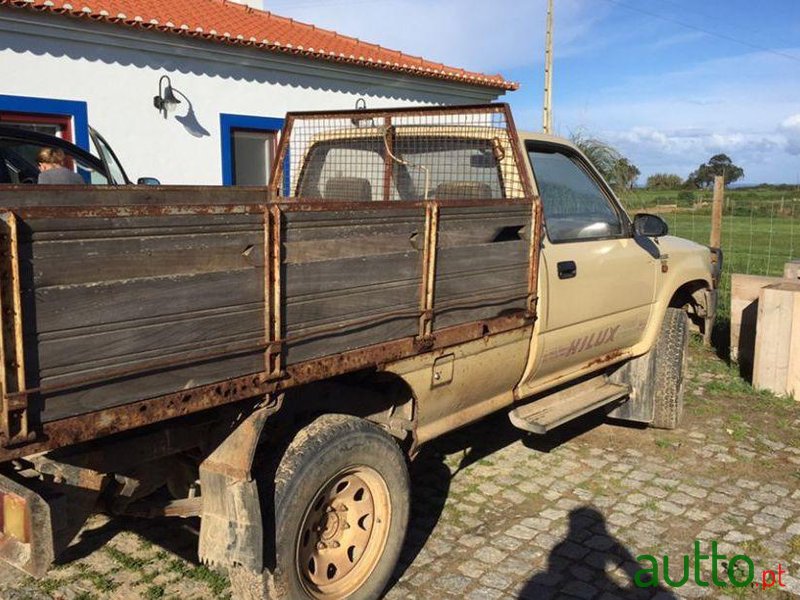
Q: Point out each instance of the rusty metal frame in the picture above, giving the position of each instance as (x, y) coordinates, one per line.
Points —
(385, 115)
(276, 376)
(109, 421)
(533, 257)
(272, 291)
(14, 427)
(427, 287)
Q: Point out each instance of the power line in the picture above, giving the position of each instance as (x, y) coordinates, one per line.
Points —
(721, 36)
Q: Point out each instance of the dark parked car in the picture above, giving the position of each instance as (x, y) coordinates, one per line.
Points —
(19, 148)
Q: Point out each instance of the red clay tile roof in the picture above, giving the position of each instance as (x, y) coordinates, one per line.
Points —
(232, 23)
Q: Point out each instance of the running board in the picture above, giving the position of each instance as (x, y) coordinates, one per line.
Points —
(544, 414)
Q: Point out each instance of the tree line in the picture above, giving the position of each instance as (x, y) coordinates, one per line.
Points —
(702, 177)
(622, 174)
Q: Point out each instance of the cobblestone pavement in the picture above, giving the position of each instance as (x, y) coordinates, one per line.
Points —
(498, 514)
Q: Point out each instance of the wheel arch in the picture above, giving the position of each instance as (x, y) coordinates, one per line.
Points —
(233, 529)
(693, 297)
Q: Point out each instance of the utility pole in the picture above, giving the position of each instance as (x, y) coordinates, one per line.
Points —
(547, 120)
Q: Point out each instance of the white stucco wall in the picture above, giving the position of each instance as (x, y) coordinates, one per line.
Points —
(116, 72)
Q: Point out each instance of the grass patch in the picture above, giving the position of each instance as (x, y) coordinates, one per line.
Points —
(215, 580)
(154, 592)
(760, 229)
(126, 561)
(100, 581)
(794, 547)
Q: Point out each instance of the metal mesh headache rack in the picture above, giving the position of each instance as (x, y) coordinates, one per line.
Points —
(453, 153)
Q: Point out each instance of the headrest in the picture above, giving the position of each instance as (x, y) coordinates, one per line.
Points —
(355, 189)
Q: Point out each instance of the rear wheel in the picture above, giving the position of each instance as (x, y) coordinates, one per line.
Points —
(671, 353)
(341, 511)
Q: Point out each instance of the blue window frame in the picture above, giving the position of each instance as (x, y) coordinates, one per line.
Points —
(229, 123)
(47, 106)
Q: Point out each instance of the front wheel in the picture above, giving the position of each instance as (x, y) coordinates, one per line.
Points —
(341, 510)
(671, 353)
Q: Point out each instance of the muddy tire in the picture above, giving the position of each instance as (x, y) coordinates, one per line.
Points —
(671, 353)
(341, 511)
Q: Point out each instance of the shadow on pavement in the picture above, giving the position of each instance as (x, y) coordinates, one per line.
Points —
(180, 537)
(579, 565)
(430, 476)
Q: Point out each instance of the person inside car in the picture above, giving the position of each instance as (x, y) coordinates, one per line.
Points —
(52, 170)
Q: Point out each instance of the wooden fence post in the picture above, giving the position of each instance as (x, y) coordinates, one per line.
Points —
(716, 212)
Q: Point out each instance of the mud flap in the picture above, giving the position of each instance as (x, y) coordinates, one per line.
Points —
(711, 299)
(232, 524)
(639, 374)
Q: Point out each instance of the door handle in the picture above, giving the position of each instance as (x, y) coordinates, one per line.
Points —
(567, 269)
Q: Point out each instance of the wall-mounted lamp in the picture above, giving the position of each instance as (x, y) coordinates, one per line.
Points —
(166, 101)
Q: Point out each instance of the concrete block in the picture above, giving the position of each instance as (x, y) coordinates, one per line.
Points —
(776, 365)
(745, 290)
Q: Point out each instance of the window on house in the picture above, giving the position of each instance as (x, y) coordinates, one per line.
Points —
(253, 154)
(59, 126)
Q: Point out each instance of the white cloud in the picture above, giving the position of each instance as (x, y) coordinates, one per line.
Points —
(462, 33)
(673, 121)
(791, 129)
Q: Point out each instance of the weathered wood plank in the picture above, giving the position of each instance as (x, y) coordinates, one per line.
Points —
(73, 307)
(132, 342)
(148, 385)
(35, 196)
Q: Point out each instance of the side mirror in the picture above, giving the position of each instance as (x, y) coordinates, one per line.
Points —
(646, 225)
(147, 181)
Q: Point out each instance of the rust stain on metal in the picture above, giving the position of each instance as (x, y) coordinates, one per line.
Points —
(113, 420)
(276, 376)
(14, 420)
(606, 358)
(534, 257)
(429, 254)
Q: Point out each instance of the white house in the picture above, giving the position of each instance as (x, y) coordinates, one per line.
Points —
(65, 65)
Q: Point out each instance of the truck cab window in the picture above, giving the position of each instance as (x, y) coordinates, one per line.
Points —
(575, 207)
(436, 167)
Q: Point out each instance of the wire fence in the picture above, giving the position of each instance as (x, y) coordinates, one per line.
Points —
(758, 235)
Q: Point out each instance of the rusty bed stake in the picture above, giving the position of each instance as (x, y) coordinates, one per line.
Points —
(14, 418)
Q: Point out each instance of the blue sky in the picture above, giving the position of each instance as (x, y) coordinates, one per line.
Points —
(668, 82)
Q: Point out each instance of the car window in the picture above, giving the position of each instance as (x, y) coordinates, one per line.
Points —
(575, 207)
(18, 164)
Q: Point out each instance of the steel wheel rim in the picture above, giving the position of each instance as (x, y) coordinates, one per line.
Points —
(343, 533)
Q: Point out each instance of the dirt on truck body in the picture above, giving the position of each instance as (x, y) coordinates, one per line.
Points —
(274, 357)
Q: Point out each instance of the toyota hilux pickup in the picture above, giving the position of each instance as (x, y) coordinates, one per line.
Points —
(270, 360)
